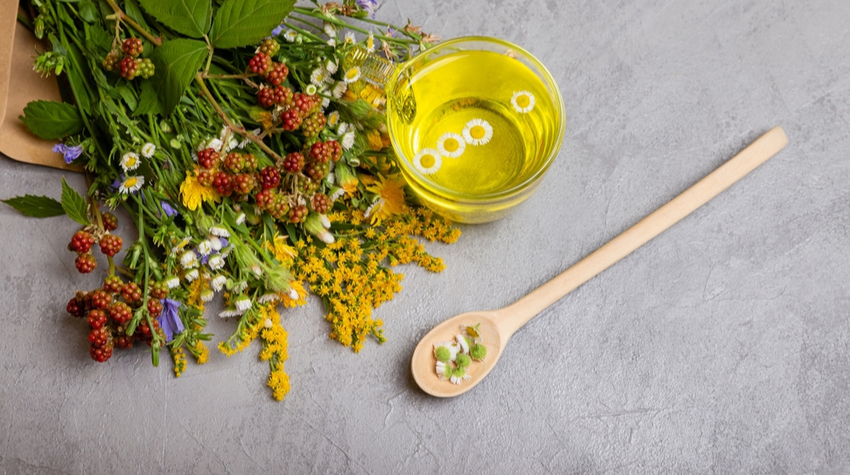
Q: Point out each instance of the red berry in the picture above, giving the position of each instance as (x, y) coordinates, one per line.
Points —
(85, 263)
(243, 184)
(205, 178)
(100, 299)
(291, 120)
(82, 241)
(124, 341)
(132, 47)
(154, 307)
(113, 284)
(97, 318)
(277, 74)
(234, 162)
(120, 313)
(208, 158)
(131, 292)
(265, 97)
(223, 184)
(298, 214)
(336, 150)
(265, 198)
(261, 63)
(76, 307)
(158, 290)
(110, 222)
(98, 336)
(110, 244)
(127, 68)
(269, 177)
(101, 353)
(316, 170)
(321, 203)
(294, 162)
(282, 95)
(320, 152)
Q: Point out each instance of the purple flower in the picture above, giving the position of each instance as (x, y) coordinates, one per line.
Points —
(168, 209)
(369, 6)
(70, 153)
(169, 320)
(224, 242)
(277, 31)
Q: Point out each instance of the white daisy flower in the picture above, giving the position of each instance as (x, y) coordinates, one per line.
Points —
(349, 38)
(332, 43)
(347, 140)
(240, 219)
(343, 127)
(172, 282)
(318, 76)
(471, 333)
(205, 247)
(370, 43)
(451, 145)
(214, 144)
(333, 118)
(148, 150)
(217, 283)
(464, 346)
(219, 231)
(477, 132)
(230, 312)
(192, 275)
(331, 67)
(267, 298)
(189, 259)
(290, 35)
(352, 75)
(329, 28)
(243, 304)
(215, 243)
(339, 89)
(460, 375)
(325, 101)
(444, 371)
(215, 262)
(130, 161)
(311, 89)
(452, 346)
(427, 161)
(336, 194)
(257, 270)
(131, 184)
(207, 295)
(523, 101)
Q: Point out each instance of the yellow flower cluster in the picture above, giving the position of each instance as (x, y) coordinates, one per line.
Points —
(275, 351)
(195, 290)
(179, 360)
(200, 352)
(249, 329)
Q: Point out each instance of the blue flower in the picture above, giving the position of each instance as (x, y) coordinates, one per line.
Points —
(277, 31)
(169, 320)
(369, 6)
(70, 153)
(168, 209)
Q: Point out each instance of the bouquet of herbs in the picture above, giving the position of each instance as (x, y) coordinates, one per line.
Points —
(252, 156)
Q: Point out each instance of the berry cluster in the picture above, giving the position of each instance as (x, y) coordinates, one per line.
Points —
(127, 61)
(109, 316)
(82, 242)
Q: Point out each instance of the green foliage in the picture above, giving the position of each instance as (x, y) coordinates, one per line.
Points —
(189, 17)
(36, 206)
(245, 22)
(74, 204)
(52, 120)
(176, 63)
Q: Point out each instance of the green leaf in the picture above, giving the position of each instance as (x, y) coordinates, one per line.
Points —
(36, 206)
(189, 17)
(245, 22)
(88, 12)
(74, 204)
(76, 76)
(52, 120)
(131, 8)
(129, 97)
(147, 100)
(176, 63)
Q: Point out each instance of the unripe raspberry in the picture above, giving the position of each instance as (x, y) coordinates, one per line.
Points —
(120, 313)
(145, 68)
(158, 290)
(124, 341)
(282, 95)
(101, 353)
(113, 284)
(243, 184)
(279, 207)
(269, 177)
(291, 120)
(100, 299)
(110, 222)
(306, 104)
(205, 178)
(298, 214)
(132, 47)
(223, 183)
(98, 336)
(110, 244)
(234, 162)
(85, 263)
(277, 74)
(76, 307)
(306, 185)
(314, 124)
(269, 46)
(110, 62)
(82, 241)
(320, 152)
(260, 64)
(131, 292)
(265, 97)
(208, 158)
(316, 171)
(249, 162)
(154, 307)
(265, 198)
(294, 162)
(127, 68)
(321, 203)
(97, 318)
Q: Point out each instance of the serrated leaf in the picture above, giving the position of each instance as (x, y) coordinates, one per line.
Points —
(88, 12)
(36, 206)
(147, 100)
(176, 63)
(74, 204)
(189, 17)
(244, 22)
(52, 120)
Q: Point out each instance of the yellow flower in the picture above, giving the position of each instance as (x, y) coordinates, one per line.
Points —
(179, 361)
(302, 296)
(194, 193)
(391, 192)
(196, 288)
(374, 138)
(282, 251)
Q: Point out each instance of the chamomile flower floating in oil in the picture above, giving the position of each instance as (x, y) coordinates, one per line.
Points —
(523, 102)
(477, 132)
(451, 145)
(131, 184)
(427, 161)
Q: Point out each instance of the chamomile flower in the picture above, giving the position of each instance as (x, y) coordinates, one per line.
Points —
(477, 132)
(217, 283)
(459, 375)
(215, 243)
(347, 140)
(318, 76)
(349, 38)
(464, 345)
(444, 371)
(189, 259)
(331, 67)
(451, 145)
(352, 75)
(370, 43)
(230, 312)
(471, 334)
(339, 89)
(216, 262)
(427, 161)
(240, 219)
(207, 295)
(523, 101)
(441, 347)
(330, 29)
(215, 144)
(243, 304)
(148, 150)
(336, 194)
(290, 36)
(130, 161)
(205, 247)
(311, 89)
(192, 275)
(172, 282)
(333, 118)
(270, 297)
(343, 127)
(219, 231)
(292, 294)
(332, 43)
(131, 184)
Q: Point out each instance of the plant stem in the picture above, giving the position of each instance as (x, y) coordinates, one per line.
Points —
(123, 17)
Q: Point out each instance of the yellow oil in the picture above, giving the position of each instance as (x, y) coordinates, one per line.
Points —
(454, 90)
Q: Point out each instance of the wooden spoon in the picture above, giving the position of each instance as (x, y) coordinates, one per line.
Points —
(497, 326)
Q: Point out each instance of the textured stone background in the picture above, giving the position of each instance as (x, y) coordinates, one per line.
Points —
(722, 346)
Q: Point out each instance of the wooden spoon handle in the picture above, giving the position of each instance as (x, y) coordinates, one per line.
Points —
(511, 318)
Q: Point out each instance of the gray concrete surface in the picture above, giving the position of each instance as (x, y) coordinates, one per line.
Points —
(723, 346)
